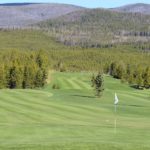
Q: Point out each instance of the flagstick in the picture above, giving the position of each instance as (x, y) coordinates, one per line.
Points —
(115, 123)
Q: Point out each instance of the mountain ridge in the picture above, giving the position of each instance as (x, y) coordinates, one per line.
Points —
(24, 14)
(134, 8)
(74, 25)
(98, 27)
(14, 15)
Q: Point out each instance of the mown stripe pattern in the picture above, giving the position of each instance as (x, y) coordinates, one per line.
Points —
(73, 118)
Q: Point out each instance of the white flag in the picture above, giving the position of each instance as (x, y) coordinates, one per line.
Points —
(116, 99)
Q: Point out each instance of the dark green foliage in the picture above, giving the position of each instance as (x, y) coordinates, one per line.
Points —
(60, 67)
(137, 75)
(22, 70)
(93, 80)
(40, 78)
(147, 77)
(29, 69)
(55, 86)
(98, 84)
(2, 76)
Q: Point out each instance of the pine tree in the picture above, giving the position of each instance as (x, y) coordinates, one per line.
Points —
(93, 80)
(39, 78)
(139, 78)
(2, 76)
(147, 78)
(98, 83)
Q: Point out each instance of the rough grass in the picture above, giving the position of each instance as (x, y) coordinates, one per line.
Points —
(27, 40)
(71, 118)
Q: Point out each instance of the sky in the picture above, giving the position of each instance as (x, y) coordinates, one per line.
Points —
(84, 3)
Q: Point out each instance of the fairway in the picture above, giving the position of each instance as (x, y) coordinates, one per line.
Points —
(72, 118)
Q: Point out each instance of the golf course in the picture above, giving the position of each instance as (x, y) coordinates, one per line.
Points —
(72, 118)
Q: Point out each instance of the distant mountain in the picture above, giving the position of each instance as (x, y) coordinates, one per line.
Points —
(23, 14)
(98, 27)
(135, 8)
(74, 25)
(16, 4)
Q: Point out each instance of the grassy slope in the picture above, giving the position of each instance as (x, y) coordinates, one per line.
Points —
(27, 40)
(71, 118)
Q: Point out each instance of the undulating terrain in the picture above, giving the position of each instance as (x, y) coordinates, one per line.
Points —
(24, 14)
(74, 25)
(135, 8)
(73, 118)
(49, 55)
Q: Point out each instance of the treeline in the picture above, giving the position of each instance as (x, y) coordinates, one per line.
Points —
(121, 62)
(136, 75)
(135, 33)
(20, 69)
(142, 46)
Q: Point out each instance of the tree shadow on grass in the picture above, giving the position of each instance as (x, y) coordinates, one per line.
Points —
(137, 87)
(135, 105)
(132, 105)
(85, 96)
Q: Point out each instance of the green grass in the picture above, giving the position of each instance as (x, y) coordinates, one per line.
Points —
(71, 118)
(27, 40)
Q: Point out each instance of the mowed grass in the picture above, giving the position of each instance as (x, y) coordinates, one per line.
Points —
(72, 118)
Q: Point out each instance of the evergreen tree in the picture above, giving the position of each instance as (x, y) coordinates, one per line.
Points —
(39, 78)
(2, 77)
(147, 78)
(120, 71)
(139, 78)
(98, 84)
(93, 80)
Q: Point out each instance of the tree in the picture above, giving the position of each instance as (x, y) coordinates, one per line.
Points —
(139, 80)
(39, 79)
(147, 78)
(93, 80)
(120, 71)
(2, 77)
(113, 69)
(98, 84)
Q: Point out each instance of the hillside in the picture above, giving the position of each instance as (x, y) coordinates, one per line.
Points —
(74, 25)
(98, 26)
(135, 8)
(27, 40)
(23, 14)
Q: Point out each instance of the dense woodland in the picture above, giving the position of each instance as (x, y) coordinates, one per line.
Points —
(21, 59)
(133, 67)
(20, 69)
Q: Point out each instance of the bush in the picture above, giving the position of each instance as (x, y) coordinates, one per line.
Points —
(55, 86)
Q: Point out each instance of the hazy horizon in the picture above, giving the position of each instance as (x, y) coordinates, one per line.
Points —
(87, 3)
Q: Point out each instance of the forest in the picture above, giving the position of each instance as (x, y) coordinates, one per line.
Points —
(20, 69)
(30, 69)
(27, 66)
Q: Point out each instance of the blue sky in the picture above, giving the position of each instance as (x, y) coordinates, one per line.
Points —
(85, 3)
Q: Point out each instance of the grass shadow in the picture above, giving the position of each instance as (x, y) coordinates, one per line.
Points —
(136, 106)
(84, 96)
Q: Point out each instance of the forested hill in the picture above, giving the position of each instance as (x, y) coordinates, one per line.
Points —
(135, 8)
(22, 14)
(99, 26)
(74, 25)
